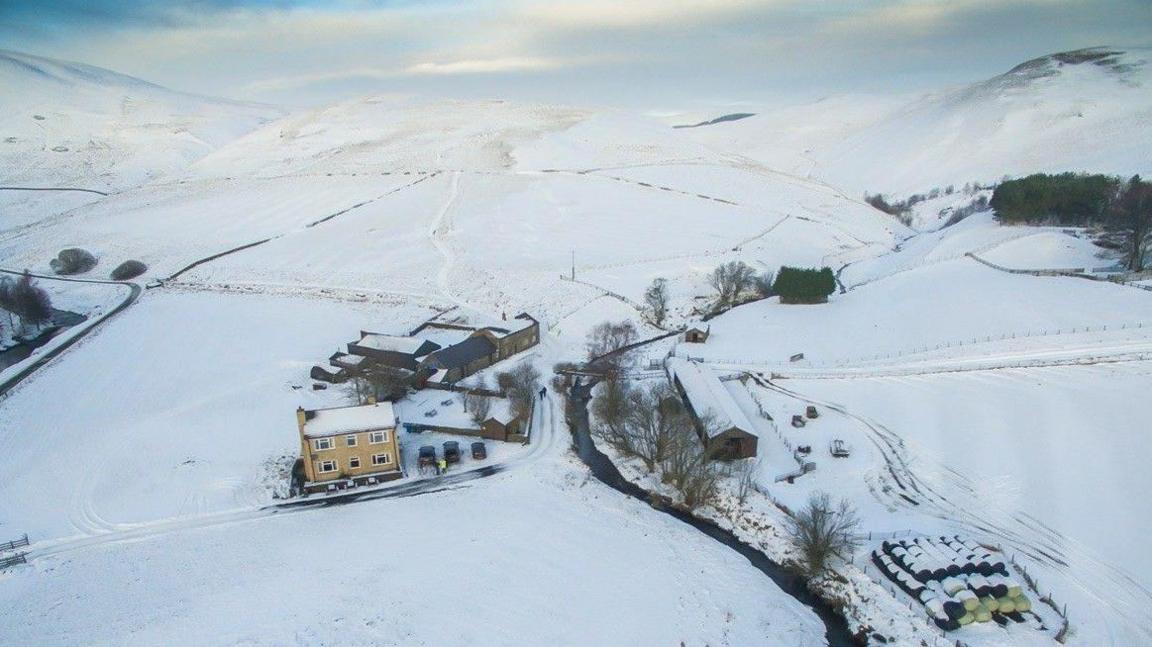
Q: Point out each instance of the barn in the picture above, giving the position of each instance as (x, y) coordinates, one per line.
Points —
(729, 434)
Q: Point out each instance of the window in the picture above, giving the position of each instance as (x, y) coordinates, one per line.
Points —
(320, 444)
(326, 466)
(377, 437)
(350, 440)
(354, 463)
(381, 459)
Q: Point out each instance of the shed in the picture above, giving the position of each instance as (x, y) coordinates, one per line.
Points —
(730, 433)
(697, 334)
(392, 350)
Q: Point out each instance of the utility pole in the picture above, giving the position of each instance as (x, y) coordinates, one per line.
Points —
(573, 265)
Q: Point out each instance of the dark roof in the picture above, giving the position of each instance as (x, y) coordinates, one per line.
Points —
(461, 354)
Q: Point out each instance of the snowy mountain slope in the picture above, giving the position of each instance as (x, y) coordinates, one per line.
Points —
(1087, 110)
(69, 124)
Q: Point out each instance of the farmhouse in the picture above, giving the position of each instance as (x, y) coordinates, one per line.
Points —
(730, 433)
(696, 334)
(347, 446)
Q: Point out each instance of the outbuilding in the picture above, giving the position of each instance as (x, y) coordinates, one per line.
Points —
(729, 433)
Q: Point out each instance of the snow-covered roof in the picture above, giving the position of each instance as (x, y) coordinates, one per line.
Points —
(393, 343)
(348, 420)
(446, 337)
(707, 395)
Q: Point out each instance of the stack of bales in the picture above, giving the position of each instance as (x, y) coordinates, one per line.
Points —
(957, 580)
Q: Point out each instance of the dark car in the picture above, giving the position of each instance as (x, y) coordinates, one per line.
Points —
(479, 451)
(798, 421)
(451, 451)
(812, 412)
(427, 456)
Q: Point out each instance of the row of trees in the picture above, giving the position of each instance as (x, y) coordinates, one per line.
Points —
(652, 425)
(25, 300)
(733, 281)
(1121, 209)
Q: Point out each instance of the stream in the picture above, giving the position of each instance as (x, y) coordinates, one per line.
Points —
(835, 627)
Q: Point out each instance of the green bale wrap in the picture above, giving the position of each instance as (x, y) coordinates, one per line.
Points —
(1023, 603)
(966, 619)
(1006, 605)
(982, 614)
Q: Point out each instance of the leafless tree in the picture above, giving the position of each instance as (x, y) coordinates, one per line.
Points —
(651, 422)
(762, 283)
(688, 467)
(385, 382)
(606, 342)
(821, 530)
(745, 474)
(656, 296)
(1128, 222)
(520, 385)
(478, 405)
(730, 280)
(359, 390)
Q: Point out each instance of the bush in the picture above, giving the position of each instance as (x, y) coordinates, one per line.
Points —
(1070, 199)
(128, 270)
(72, 261)
(802, 285)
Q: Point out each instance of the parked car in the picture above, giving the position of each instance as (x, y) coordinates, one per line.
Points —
(427, 456)
(798, 421)
(451, 451)
(479, 451)
(812, 412)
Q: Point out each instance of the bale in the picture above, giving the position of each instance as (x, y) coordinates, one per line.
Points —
(1022, 603)
(128, 270)
(990, 602)
(952, 585)
(979, 584)
(966, 619)
(1013, 588)
(968, 599)
(954, 609)
(982, 614)
(1006, 605)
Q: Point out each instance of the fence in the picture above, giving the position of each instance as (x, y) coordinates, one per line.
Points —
(8, 562)
(15, 543)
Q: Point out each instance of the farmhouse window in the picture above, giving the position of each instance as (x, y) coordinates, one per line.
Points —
(378, 437)
(354, 462)
(320, 444)
(350, 439)
(327, 466)
(381, 459)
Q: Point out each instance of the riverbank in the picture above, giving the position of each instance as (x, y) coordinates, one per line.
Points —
(855, 609)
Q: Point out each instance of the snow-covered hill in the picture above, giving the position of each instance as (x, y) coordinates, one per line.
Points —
(69, 124)
(1086, 110)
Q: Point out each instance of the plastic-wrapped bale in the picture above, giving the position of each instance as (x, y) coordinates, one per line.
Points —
(1007, 605)
(997, 585)
(990, 602)
(1022, 603)
(947, 624)
(968, 599)
(1014, 589)
(979, 584)
(981, 613)
(952, 585)
(966, 619)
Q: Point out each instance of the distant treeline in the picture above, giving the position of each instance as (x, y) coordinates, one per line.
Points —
(1071, 199)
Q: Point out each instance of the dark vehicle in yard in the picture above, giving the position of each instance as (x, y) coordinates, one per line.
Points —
(812, 413)
(426, 457)
(798, 421)
(451, 451)
(479, 451)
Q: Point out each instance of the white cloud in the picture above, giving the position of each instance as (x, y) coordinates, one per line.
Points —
(488, 65)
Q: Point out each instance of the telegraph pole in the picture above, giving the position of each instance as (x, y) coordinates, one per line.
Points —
(573, 265)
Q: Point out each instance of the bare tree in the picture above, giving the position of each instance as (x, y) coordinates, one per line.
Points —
(821, 530)
(32, 304)
(730, 280)
(688, 467)
(8, 301)
(656, 296)
(653, 420)
(746, 478)
(386, 382)
(478, 405)
(606, 344)
(1128, 222)
(520, 385)
(359, 390)
(762, 283)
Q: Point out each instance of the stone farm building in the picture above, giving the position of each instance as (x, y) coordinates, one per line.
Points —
(730, 434)
(438, 353)
(347, 446)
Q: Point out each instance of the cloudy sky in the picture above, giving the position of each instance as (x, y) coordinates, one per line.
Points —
(648, 54)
